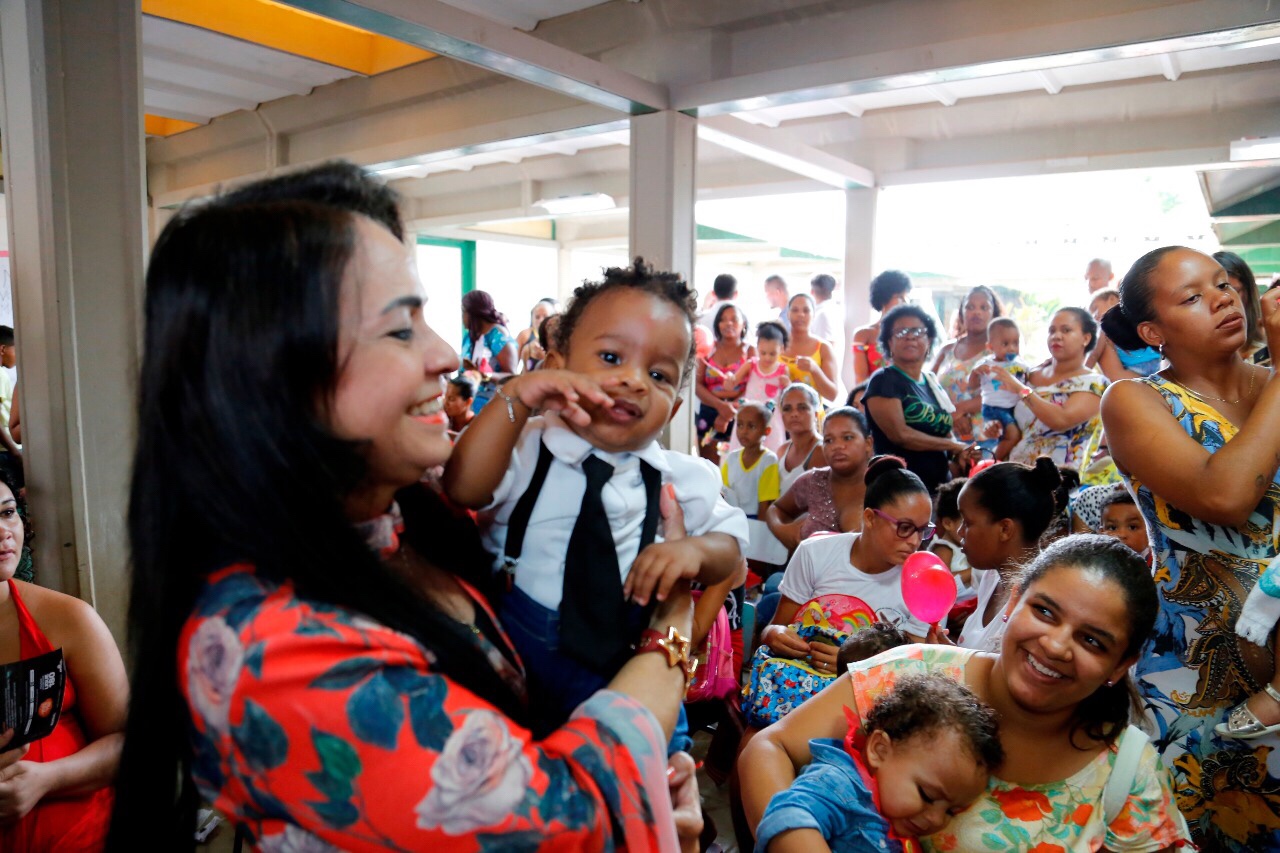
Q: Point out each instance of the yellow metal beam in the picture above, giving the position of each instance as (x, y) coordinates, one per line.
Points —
(164, 126)
(291, 30)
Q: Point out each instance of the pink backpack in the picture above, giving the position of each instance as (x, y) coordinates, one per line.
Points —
(714, 678)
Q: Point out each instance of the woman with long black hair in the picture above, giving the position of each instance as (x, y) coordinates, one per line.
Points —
(314, 649)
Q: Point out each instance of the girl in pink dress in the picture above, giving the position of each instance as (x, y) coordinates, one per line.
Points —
(765, 376)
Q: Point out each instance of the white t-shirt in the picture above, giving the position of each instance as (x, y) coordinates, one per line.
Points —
(820, 566)
(975, 635)
(747, 488)
(540, 573)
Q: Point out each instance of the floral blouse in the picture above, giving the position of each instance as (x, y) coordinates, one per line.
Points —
(320, 729)
(1069, 447)
(1058, 817)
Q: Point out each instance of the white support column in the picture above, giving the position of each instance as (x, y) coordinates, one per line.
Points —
(859, 243)
(663, 155)
(73, 157)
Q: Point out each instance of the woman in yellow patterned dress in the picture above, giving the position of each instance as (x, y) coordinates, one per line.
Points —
(1199, 445)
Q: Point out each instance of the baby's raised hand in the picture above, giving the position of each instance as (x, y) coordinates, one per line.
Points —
(558, 391)
(658, 568)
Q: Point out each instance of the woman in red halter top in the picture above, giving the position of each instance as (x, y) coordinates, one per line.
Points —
(55, 792)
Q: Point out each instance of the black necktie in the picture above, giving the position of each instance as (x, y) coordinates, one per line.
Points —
(596, 623)
(593, 614)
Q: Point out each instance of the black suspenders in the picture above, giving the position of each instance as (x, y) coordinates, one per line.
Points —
(518, 524)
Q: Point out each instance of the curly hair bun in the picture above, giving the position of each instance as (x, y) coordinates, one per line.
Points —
(1045, 474)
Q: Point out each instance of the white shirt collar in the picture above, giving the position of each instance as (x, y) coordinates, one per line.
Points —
(571, 448)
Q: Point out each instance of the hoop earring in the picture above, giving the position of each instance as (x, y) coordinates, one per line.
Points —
(1160, 349)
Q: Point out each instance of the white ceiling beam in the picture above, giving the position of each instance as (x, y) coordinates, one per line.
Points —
(851, 106)
(778, 148)
(1050, 81)
(787, 73)
(942, 94)
(469, 38)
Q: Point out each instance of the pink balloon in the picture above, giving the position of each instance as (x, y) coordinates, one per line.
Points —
(928, 588)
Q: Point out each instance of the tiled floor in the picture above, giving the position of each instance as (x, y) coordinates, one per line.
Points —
(715, 799)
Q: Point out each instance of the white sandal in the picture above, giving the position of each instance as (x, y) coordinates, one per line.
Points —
(1243, 724)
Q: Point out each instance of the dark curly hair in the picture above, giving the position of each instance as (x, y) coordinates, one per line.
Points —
(641, 276)
(887, 285)
(868, 642)
(928, 704)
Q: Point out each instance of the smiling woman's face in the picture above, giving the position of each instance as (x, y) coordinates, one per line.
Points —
(390, 390)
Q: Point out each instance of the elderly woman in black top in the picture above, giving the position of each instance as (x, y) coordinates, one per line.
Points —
(910, 414)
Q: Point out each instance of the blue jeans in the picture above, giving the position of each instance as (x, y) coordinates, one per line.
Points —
(1002, 416)
(557, 682)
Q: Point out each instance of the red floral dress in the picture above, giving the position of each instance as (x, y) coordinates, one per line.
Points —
(321, 729)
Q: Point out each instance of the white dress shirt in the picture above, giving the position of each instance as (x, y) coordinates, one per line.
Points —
(540, 572)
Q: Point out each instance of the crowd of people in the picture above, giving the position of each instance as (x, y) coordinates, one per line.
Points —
(389, 596)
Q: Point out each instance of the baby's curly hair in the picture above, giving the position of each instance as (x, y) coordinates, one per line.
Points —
(927, 704)
(641, 276)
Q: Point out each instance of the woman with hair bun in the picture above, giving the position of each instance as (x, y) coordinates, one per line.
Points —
(868, 564)
(1058, 409)
(1199, 446)
(1004, 510)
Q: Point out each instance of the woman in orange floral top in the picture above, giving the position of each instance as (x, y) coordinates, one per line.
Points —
(1061, 688)
(314, 649)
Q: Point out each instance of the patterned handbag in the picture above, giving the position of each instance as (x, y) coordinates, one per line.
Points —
(778, 684)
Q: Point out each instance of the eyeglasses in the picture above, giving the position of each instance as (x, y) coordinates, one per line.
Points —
(904, 529)
(911, 332)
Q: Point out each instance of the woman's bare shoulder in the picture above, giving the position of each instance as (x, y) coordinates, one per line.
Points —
(63, 618)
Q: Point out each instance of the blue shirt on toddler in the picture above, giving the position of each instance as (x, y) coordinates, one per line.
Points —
(833, 797)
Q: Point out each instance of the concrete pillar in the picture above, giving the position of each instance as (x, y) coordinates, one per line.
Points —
(664, 148)
(859, 243)
(73, 165)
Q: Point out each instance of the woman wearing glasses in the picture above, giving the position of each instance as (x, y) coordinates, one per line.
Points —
(910, 413)
(867, 565)
(1058, 410)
